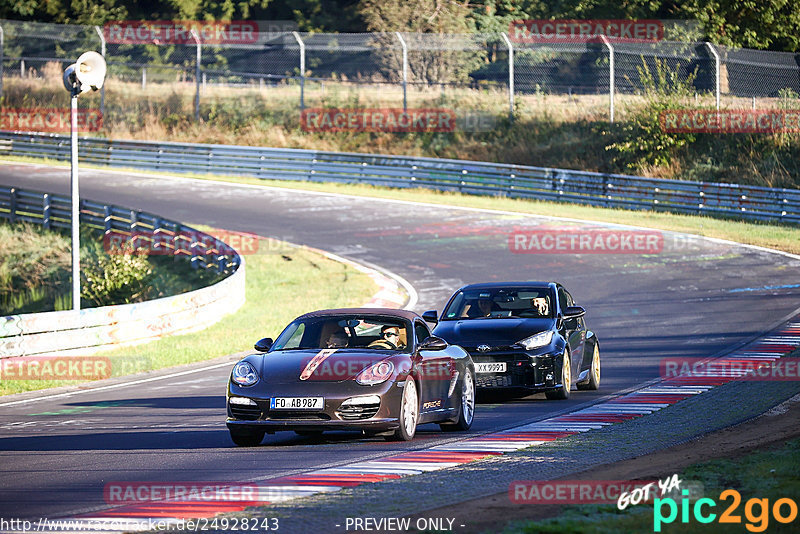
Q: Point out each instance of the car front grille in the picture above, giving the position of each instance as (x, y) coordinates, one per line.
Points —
(306, 416)
(357, 412)
(247, 413)
(497, 354)
(494, 381)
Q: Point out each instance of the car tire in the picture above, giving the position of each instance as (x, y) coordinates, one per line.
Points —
(466, 411)
(246, 439)
(594, 371)
(409, 413)
(562, 393)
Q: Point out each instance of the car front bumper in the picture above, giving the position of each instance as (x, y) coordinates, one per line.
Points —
(524, 369)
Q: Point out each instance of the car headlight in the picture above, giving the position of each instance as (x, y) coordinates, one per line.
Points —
(244, 374)
(375, 373)
(539, 340)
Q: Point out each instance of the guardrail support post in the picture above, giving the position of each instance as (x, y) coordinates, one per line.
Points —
(199, 62)
(12, 207)
(405, 69)
(302, 46)
(103, 88)
(611, 87)
(510, 75)
(46, 211)
(106, 219)
(716, 71)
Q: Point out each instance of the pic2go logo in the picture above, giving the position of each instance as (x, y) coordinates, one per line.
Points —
(756, 511)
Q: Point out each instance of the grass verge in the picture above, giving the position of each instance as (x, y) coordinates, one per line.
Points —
(780, 237)
(761, 475)
(281, 283)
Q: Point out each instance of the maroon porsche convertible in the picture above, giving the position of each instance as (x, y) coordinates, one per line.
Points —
(379, 371)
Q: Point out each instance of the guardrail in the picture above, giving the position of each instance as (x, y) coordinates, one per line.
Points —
(472, 177)
(92, 328)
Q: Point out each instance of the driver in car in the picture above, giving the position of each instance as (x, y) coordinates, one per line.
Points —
(390, 339)
(482, 309)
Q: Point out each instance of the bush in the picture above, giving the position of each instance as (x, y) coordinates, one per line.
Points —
(642, 140)
(35, 272)
(119, 278)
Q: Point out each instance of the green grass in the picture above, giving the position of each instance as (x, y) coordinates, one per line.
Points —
(776, 236)
(281, 283)
(768, 474)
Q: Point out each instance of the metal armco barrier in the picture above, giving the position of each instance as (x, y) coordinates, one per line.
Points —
(472, 177)
(72, 331)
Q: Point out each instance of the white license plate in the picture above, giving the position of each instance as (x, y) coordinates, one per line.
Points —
(494, 367)
(297, 403)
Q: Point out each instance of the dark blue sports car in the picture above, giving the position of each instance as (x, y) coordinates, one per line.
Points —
(527, 335)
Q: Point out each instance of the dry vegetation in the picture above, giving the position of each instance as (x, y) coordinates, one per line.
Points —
(549, 130)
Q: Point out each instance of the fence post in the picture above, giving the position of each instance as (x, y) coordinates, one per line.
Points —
(510, 75)
(716, 71)
(22, 68)
(610, 77)
(2, 51)
(103, 88)
(302, 46)
(197, 76)
(405, 69)
(144, 77)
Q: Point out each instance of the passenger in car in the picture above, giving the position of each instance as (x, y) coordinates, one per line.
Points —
(337, 340)
(539, 304)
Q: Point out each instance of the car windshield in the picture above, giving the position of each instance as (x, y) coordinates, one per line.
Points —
(345, 331)
(499, 304)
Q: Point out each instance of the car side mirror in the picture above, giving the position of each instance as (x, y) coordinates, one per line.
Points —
(431, 316)
(263, 345)
(573, 312)
(433, 343)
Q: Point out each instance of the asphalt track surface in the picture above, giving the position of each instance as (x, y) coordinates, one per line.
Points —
(694, 298)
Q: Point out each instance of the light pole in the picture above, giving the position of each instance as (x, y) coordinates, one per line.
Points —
(86, 74)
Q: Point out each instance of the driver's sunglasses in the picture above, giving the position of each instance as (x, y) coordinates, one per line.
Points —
(392, 334)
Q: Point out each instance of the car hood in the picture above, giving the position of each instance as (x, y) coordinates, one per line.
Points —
(314, 365)
(507, 331)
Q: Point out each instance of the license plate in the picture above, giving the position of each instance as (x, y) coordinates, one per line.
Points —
(297, 403)
(494, 367)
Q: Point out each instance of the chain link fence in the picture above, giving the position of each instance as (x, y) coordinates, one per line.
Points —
(408, 69)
